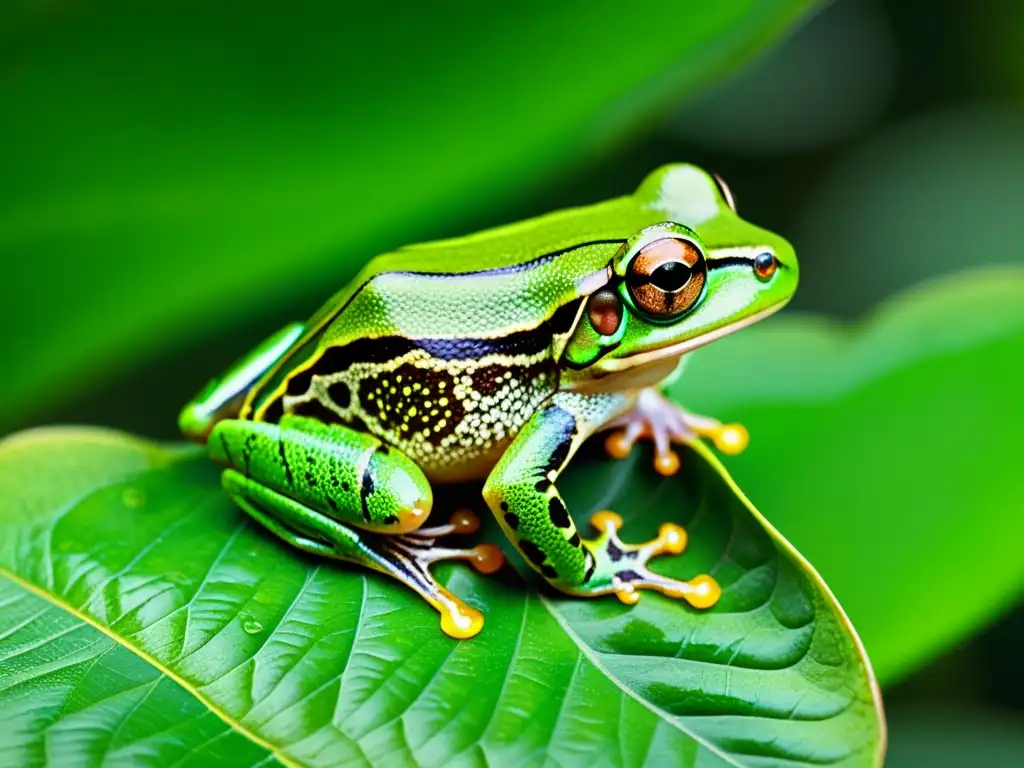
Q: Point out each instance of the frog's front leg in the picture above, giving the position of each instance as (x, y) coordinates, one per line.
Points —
(522, 495)
(336, 492)
(655, 416)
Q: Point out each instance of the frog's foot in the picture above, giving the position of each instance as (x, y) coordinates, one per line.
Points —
(622, 568)
(663, 421)
(412, 555)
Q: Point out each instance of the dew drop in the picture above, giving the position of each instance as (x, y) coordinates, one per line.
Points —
(133, 498)
(251, 626)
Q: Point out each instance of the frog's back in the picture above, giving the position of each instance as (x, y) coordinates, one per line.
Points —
(444, 349)
(507, 275)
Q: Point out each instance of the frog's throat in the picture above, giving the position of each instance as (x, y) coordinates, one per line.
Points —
(672, 351)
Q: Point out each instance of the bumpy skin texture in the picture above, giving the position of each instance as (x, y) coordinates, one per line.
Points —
(494, 355)
(521, 490)
(346, 474)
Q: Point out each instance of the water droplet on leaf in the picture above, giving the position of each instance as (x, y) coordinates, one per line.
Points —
(133, 498)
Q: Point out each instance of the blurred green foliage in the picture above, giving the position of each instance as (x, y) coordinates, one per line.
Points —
(170, 168)
(947, 737)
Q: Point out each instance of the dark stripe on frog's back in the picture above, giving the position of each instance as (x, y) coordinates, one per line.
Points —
(450, 404)
(532, 341)
(339, 356)
(402, 263)
(379, 350)
(511, 389)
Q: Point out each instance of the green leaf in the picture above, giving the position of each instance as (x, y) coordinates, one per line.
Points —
(888, 452)
(897, 179)
(168, 166)
(145, 620)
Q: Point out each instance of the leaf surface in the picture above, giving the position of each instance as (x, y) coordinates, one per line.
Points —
(146, 620)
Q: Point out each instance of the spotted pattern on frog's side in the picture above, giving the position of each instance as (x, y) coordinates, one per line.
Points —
(408, 401)
(441, 413)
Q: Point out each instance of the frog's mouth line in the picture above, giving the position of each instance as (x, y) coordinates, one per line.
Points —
(617, 364)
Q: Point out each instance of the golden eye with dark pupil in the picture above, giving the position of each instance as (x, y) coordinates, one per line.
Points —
(666, 277)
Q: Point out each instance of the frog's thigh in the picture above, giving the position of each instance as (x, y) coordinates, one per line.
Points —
(521, 489)
(338, 472)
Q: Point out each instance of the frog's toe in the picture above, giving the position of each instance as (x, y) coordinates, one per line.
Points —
(418, 550)
(665, 423)
(700, 592)
(621, 569)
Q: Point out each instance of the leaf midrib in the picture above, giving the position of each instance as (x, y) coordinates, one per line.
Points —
(592, 657)
(52, 599)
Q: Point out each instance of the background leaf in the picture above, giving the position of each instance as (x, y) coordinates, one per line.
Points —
(185, 162)
(888, 453)
(143, 613)
(953, 738)
(923, 207)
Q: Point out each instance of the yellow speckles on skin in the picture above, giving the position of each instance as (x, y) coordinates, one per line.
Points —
(445, 415)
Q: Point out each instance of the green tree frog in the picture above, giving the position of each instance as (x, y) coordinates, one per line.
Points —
(494, 356)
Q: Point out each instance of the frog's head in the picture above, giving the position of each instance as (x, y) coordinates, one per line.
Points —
(678, 284)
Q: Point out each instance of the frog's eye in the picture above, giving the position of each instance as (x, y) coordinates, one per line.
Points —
(666, 278)
(726, 193)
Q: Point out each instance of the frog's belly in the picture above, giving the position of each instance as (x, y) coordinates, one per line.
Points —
(453, 418)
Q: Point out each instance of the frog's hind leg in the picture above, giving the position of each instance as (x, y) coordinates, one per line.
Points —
(655, 416)
(222, 397)
(339, 493)
(405, 558)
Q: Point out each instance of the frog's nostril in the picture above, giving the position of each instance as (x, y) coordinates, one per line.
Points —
(765, 265)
